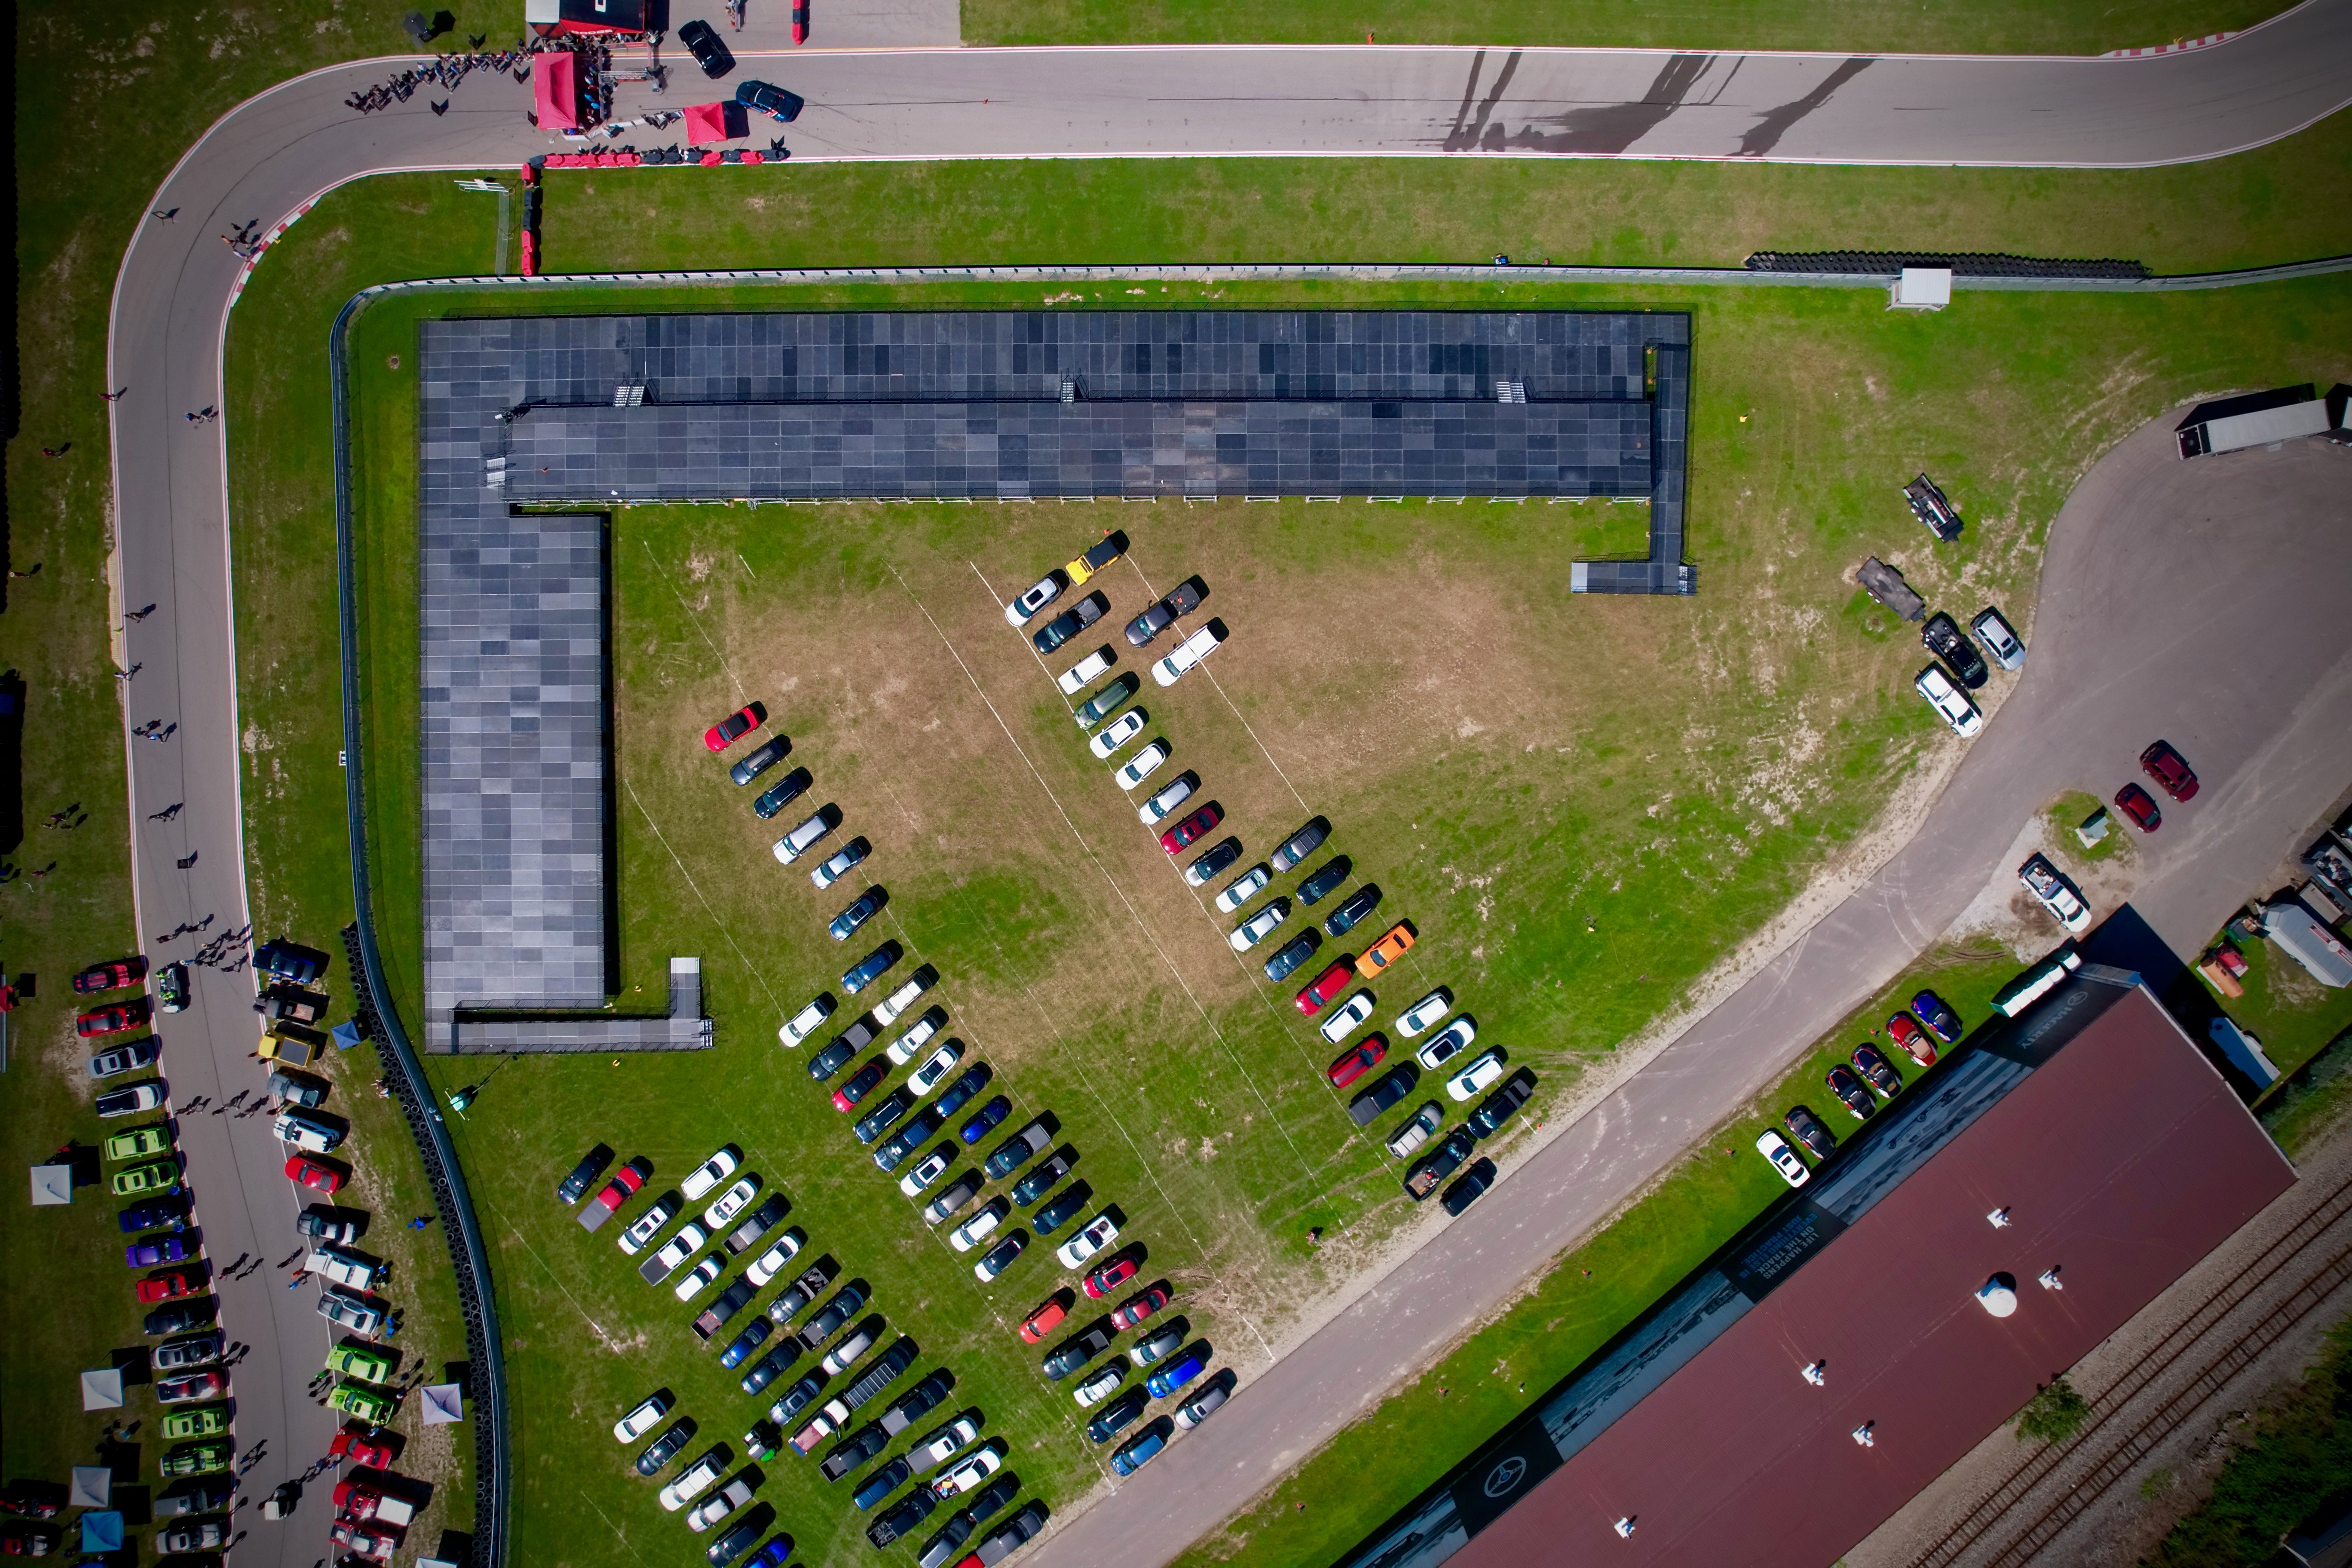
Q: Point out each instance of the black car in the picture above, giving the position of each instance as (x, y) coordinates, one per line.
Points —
(1502, 1105)
(1301, 844)
(1066, 1208)
(1947, 642)
(801, 1292)
(885, 1114)
(1298, 951)
(861, 1083)
(159, 1214)
(846, 1304)
(1808, 1130)
(901, 1522)
(1118, 1413)
(769, 1367)
(782, 793)
(769, 98)
(941, 1548)
(1000, 1257)
(864, 907)
(745, 1535)
(917, 1401)
(767, 756)
(1439, 1163)
(1040, 1182)
(289, 960)
(907, 1139)
(959, 1094)
(1179, 602)
(889, 1478)
(1070, 623)
(1878, 1070)
(665, 1448)
(762, 1220)
(952, 1199)
(981, 1123)
(178, 1317)
(1077, 1350)
(574, 1187)
(1851, 1092)
(1466, 1191)
(796, 1398)
(1212, 860)
(1394, 1085)
(1008, 1156)
(1326, 880)
(710, 53)
(871, 968)
(740, 1349)
(1022, 1528)
(831, 1059)
(724, 1306)
(869, 1441)
(1359, 904)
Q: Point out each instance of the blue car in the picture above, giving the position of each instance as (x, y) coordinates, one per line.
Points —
(882, 1483)
(774, 1554)
(1132, 1456)
(983, 1120)
(959, 1094)
(777, 796)
(744, 1343)
(163, 1249)
(153, 1216)
(1176, 1372)
(1938, 1014)
(867, 905)
(871, 968)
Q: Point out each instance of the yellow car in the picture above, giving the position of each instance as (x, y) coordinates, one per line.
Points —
(137, 1142)
(366, 1404)
(1110, 548)
(360, 1361)
(160, 1178)
(200, 1423)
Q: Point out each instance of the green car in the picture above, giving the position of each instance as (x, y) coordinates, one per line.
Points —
(161, 1177)
(364, 1402)
(137, 1142)
(200, 1423)
(194, 1460)
(360, 1361)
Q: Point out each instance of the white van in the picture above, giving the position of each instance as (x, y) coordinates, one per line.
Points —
(800, 839)
(1189, 652)
(1074, 679)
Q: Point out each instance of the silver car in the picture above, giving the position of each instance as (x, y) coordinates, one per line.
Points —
(1173, 794)
(1259, 926)
(1999, 638)
(1244, 888)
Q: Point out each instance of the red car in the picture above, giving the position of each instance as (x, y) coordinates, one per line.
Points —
(1044, 1321)
(310, 1173)
(364, 1540)
(2167, 767)
(863, 1083)
(354, 1443)
(1905, 1032)
(1112, 1276)
(111, 976)
(799, 21)
(1356, 1061)
(2140, 807)
(734, 727)
(624, 1183)
(114, 1020)
(166, 1286)
(1190, 830)
(1326, 985)
(1139, 1306)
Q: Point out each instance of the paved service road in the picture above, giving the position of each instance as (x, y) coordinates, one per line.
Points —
(268, 155)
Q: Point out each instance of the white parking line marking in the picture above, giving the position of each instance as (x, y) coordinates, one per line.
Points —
(692, 616)
(750, 968)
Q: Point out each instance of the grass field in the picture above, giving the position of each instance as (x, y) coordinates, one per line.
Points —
(2076, 27)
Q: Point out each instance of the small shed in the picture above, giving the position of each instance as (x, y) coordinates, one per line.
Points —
(1921, 288)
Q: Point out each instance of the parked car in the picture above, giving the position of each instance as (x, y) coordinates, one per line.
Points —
(1386, 1091)
(1417, 1130)
(112, 1019)
(666, 1446)
(2140, 807)
(2045, 882)
(641, 1417)
(1393, 944)
(1044, 592)
(164, 1215)
(807, 1021)
(768, 100)
(1907, 1036)
(841, 862)
(1242, 888)
(902, 1518)
(1188, 653)
(1345, 1018)
(673, 1252)
(983, 1223)
(1851, 1092)
(311, 1173)
(985, 1121)
(1356, 1060)
(1999, 638)
(769, 753)
(739, 1350)
(161, 1177)
(1098, 1385)
(731, 1203)
(1139, 1307)
(1016, 1151)
(299, 1088)
(1939, 1016)
(1140, 766)
(1049, 1315)
(1301, 844)
(2170, 770)
(1101, 554)
(1172, 607)
(1876, 1070)
(1119, 732)
(130, 1099)
(1468, 1187)
(1075, 678)
(710, 53)
(1119, 1412)
(1448, 1044)
(696, 1477)
(1097, 1234)
(1351, 912)
(1783, 1159)
(1439, 1163)
(735, 726)
(1103, 703)
(1070, 623)
(1810, 1130)
(1502, 1105)
(1951, 704)
(894, 1149)
(118, 1059)
(1947, 641)
(1110, 1276)
(1171, 796)
(737, 1539)
(1075, 1352)
(113, 975)
(1193, 827)
(999, 1257)
(1134, 1455)
(1293, 953)
(1042, 1177)
(187, 1387)
(918, 1034)
(1201, 1406)
(1212, 860)
(835, 1314)
(929, 1169)
(1423, 1013)
(1259, 926)
(781, 793)
(699, 1277)
(1325, 880)
(808, 835)
(870, 968)
(772, 1262)
(1066, 1206)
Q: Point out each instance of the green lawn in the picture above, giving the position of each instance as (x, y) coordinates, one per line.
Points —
(2290, 201)
(2012, 27)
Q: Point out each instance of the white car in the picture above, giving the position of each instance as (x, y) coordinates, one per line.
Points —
(771, 1263)
(968, 1474)
(1141, 765)
(1100, 1233)
(1172, 796)
(695, 1479)
(980, 1226)
(1451, 1043)
(346, 1310)
(1998, 636)
(1075, 678)
(932, 1166)
(1347, 1015)
(720, 1504)
(729, 1203)
(1118, 733)
(1477, 1074)
(1244, 888)
(2058, 895)
(1259, 926)
(1188, 653)
(678, 1248)
(925, 1078)
(887, 1011)
(641, 1420)
(1951, 704)
(1423, 1013)
(1417, 1131)
(699, 1278)
(710, 1174)
(130, 1099)
(1785, 1160)
(902, 1050)
(935, 1448)
(648, 1225)
(1098, 1387)
(807, 1021)
(1049, 588)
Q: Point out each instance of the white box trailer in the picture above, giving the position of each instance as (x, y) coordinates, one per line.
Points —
(2256, 419)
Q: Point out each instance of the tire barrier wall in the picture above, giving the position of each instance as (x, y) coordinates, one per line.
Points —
(1973, 264)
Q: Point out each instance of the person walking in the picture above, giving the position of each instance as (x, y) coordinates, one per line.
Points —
(168, 813)
(186, 860)
(113, 397)
(137, 615)
(165, 215)
(127, 674)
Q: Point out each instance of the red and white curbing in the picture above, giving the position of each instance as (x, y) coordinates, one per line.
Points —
(2178, 46)
(261, 247)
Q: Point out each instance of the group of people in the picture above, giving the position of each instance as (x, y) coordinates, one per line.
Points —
(446, 72)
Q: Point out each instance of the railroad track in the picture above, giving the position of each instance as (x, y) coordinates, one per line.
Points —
(2304, 1236)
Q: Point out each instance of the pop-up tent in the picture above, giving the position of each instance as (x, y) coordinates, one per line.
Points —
(555, 91)
(101, 1531)
(102, 1389)
(444, 1403)
(716, 123)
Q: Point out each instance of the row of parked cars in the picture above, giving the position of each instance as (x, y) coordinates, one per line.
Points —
(1960, 669)
(1861, 1083)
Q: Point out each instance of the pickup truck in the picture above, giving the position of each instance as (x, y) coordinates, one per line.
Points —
(356, 1269)
(366, 1500)
(731, 1301)
(879, 1373)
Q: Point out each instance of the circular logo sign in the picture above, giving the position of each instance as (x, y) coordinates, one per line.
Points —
(1505, 1475)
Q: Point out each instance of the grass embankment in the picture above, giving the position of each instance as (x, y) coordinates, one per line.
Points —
(2008, 26)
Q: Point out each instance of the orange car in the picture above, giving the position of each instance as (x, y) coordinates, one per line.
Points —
(1044, 1321)
(1391, 946)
